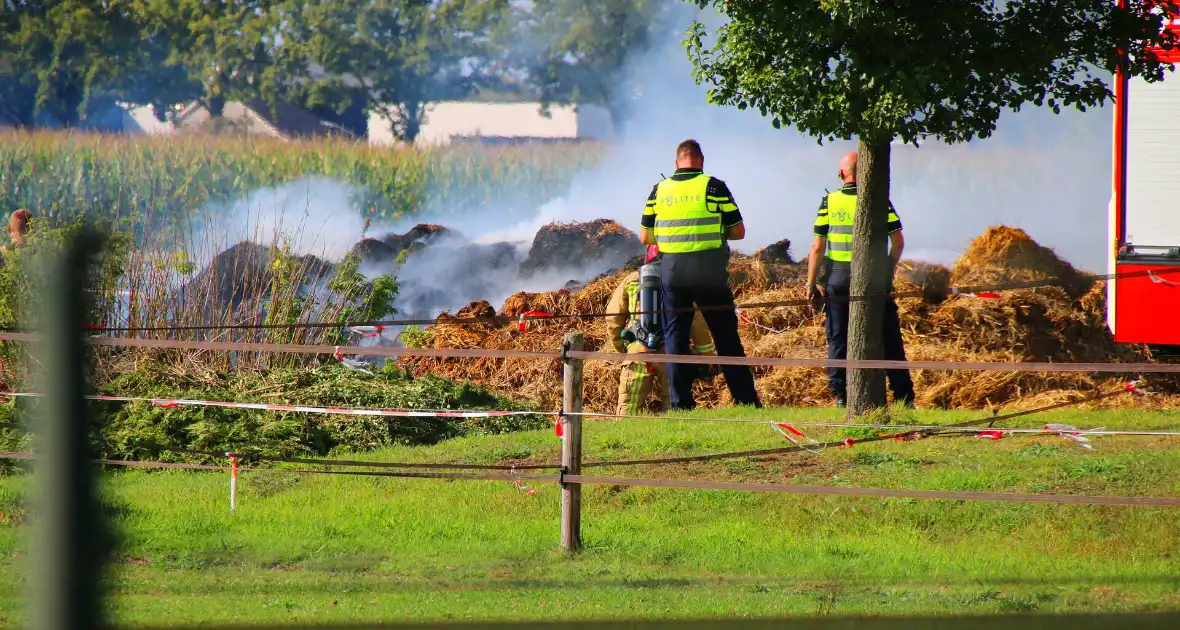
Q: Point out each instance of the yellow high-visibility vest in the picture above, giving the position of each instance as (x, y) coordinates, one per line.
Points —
(840, 213)
(684, 222)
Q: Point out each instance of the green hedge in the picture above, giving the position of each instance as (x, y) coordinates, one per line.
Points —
(137, 430)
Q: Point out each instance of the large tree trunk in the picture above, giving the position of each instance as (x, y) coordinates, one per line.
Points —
(870, 276)
(65, 104)
(413, 117)
(215, 103)
(215, 95)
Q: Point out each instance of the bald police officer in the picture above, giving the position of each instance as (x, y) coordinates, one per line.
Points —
(833, 233)
(690, 216)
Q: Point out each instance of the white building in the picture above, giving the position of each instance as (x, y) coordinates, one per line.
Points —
(253, 117)
(141, 119)
(496, 122)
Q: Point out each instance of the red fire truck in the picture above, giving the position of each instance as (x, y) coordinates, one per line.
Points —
(1143, 303)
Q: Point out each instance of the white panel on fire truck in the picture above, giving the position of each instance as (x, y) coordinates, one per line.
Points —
(1111, 263)
(1153, 162)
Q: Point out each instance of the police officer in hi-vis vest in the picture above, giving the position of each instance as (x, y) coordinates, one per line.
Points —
(690, 216)
(833, 229)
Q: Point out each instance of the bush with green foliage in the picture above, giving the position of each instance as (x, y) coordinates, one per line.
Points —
(139, 430)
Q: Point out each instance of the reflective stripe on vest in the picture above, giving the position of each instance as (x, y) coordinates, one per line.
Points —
(632, 302)
(841, 212)
(683, 221)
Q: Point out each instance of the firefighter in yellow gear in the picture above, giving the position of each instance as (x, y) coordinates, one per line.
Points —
(637, 378)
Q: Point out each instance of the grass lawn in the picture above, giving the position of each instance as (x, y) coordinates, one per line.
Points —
(342, 549)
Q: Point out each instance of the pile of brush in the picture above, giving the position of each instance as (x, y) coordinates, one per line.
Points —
(575, 245)
(1056, 323)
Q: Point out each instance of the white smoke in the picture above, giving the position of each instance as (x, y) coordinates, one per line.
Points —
(1047, 174)
(313, 216)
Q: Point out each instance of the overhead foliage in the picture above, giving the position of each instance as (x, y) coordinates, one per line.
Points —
(228, 47)
(580, 52)
(62, 60)
(398, 55)
(56, 56)
(913, 69)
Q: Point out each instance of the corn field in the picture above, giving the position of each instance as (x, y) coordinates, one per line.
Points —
(59, 175)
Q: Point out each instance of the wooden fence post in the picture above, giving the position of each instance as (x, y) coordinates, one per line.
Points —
(571, 445)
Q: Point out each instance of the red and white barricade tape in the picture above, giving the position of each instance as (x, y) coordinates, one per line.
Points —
(367, 331)
(796, 437)
(350, 363)
(982, 294)
(172, 403)
(520, 486)
(522, 324)
(748, 320)
(1071, 432)
(1158, 280)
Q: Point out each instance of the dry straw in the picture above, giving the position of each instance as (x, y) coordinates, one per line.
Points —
(1045, 324)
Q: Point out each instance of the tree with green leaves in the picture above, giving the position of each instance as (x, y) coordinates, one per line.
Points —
(227, 47)
(909, 70)
(578, 52)
(398, 55)
(317, 40)
(17, 91)
(147, 76)
(57, 57)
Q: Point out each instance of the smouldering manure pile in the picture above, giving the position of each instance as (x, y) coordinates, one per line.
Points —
(1042, 324)
(436, 267)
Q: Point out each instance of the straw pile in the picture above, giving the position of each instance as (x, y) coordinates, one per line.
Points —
(1043, 324)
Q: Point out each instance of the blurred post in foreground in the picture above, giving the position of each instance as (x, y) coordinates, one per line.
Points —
(72, 541)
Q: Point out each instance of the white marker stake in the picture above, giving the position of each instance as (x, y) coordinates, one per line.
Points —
(233, 480)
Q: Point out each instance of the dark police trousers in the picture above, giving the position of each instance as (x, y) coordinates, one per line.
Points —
(836, 325)
(709, 288)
